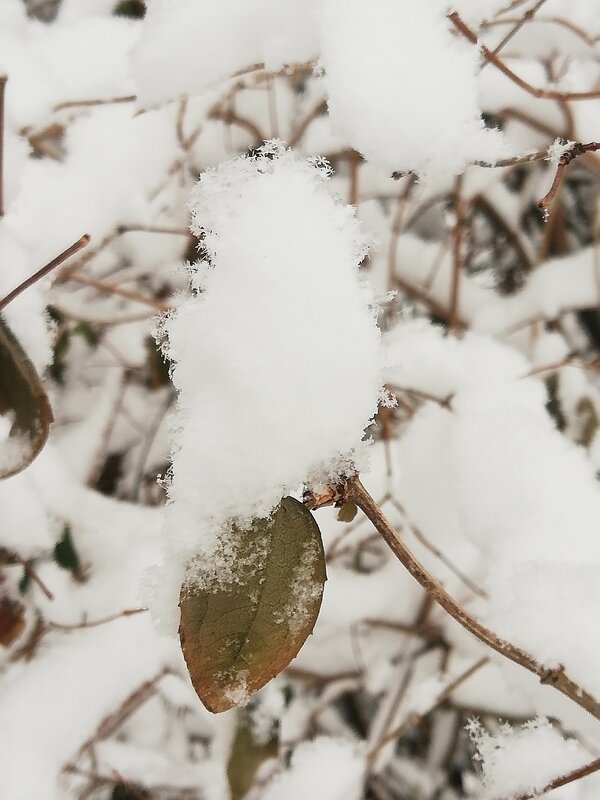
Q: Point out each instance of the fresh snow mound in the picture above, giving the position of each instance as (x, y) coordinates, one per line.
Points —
(525, 759)
(429, 120)
(327, 768)
(188, 45)
(266, 401)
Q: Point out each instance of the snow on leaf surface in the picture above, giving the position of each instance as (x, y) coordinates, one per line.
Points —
(238, 635)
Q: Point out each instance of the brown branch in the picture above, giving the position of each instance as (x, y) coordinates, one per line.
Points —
(319, 109)
(115, 289)
(12, 558)
(570, 360)
(563, 780)
(113, 721)
(130, 98)
(153, 229)
(552, 20)
(74, 248)
(415, 718)
(575, 150)
(421, 631)
(128, 612)
(67, 271)
(555, 677)
(485, 206)
(420, 295)
(536, 91)
(513, 161)
(33, 575)
(528, 15)
(230, 117)
(437, 552)
(510, 7)
(321, 679)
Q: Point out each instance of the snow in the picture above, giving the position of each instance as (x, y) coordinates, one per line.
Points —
(266, 368)
(501, 436)
(73, 683)
(188, 45)
(374, 49)
(525, 759)
(52, 689)
(420, 356)
(475, 11)
(47, 65)
(278, 365)
(327, 768)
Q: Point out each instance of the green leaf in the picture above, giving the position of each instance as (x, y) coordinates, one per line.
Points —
(65, 554)
(22, 396)
(130, 8)
(246, 757)
(239, 633)
(123, 791)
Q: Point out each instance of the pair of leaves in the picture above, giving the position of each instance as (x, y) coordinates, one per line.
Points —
(22, 396)
(238, 634)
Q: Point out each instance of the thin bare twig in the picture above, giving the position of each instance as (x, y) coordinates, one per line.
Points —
(98, 101)
(563, 780)
(33, 575)
(575, 150)
(132, 702)
(414, 719)
(536, 91)
(231, 117)
(12, 558)
(554, 677)
(421, 296)
(471, 585)
(552, 20)
(113, 288)
(128, 612)
(74, 248)
(528, 15)
(153, 229)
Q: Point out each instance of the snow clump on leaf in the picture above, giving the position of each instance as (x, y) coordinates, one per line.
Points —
(276, 354)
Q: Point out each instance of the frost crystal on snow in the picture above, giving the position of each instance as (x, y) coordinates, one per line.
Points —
(304, 591)
(524, 759)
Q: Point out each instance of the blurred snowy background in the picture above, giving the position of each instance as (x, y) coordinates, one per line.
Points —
(487, 465)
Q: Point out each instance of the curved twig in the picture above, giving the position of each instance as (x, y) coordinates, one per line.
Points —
(555, 677)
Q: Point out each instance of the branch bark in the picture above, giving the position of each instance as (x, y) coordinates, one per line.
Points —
(74, 248)
(555, 677)
(536, 91)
